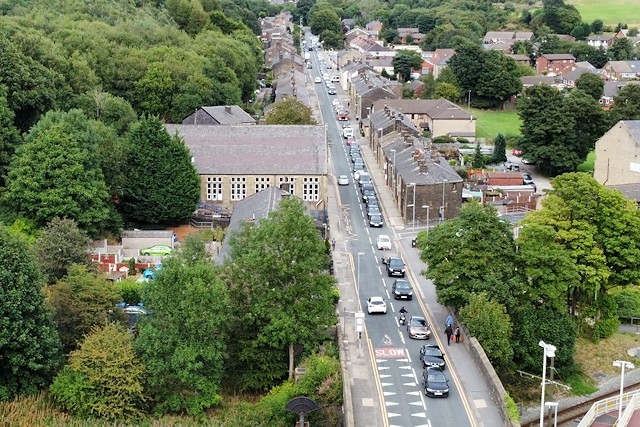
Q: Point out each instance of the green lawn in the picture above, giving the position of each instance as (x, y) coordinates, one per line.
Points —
(490, 123)
(611, 12)
(587, 166)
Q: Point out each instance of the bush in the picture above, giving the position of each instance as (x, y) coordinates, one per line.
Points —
(608, 323)
(443, 140)
(462, 140)
(130, 291)
(628, 301)
(512, 409)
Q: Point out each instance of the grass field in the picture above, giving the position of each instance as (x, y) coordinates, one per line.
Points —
(491, 123)
(611, 12)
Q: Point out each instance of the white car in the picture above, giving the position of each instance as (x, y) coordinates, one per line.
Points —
(383, 242)
(335, 102)
(317, 80)
(376, 305)
(343, 180)
(347, 133)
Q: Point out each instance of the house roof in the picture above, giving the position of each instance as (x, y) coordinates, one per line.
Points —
(558, 56)
(573, 75)
(630, 191)
(626, 67)
(519, 57)
(441, 56)
(537, 80)
(436, 109)
(612, 87)
(633, 127)
(228, 114)
(601, 37)
(255, 150)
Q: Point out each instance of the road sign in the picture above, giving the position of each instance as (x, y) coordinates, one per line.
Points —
(389, 353)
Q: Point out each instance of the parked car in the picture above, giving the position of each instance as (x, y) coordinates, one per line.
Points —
(375, 221)
(366, 186)
(156, 250)
(372, 201)
(347, 133)
(358, 166)
(356, 157)
(526, 179)
(373, 210)
(317, 80)
(395, 266)
(516, 152)
(383, 242)
(511, 166)
(432, 357)
(401, 289)
(376, 305)
(343, 115)
(526, 161)
(356, 175)
(368, 193)
(435, 383)
(350, 141)
(364, 179)
(418, 328)
(343, 180)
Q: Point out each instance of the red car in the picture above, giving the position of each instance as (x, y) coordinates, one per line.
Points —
(343, 115)
(516, 152)
(350, 141)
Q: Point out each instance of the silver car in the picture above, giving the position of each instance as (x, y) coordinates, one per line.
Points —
(418, 328)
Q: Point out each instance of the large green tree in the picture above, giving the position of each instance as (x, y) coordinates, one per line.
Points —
(161, 184)
(591, 84)
(60, 245)
(290, 111)
(183, 342)
(29, 344)
(277, 272)
(325, 18)
(9, 136)
(80, 302)
(54, 175)
(472, 253)
(404, 62)
(626, 105)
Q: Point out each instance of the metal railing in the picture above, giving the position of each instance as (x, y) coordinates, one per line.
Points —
(631, 407)
(609, 405)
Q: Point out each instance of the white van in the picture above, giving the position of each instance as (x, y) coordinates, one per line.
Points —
(347, 133)
(335, 79)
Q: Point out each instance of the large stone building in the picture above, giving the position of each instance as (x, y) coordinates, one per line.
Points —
(618, 154)
(235, 162)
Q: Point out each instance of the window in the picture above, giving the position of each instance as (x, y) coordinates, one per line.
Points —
(214, 188)
(262, 183)
(311, 189)
(238, 188)
(287, 183)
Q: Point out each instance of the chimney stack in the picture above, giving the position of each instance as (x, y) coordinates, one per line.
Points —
(423, 166)
(227, 109)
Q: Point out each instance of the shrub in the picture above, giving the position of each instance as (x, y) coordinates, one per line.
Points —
(462, 140)
(130, 291)
(608, 323)
(512, 408)
(443, 140)
(628, 301)
(103, 378)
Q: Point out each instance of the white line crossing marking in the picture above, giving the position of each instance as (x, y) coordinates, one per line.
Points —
(419, 414)
(413, 393)
(391, 403)
(385, 376)
(413, 384)
(405, 367)
(382, 368)
(408, 375)
(385, 384)
(391, 415)
(388, 393)
(415, 403)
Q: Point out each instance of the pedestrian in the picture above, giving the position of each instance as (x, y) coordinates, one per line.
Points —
(333, 244)
(449, 321)
(449, 332)
(457, 334)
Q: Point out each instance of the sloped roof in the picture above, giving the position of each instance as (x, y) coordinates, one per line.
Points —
(558, 56)
(228, 114)
(624, 66)
(435, 108)
(255, 150)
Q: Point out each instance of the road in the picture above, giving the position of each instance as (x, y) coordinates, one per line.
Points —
(398, 369)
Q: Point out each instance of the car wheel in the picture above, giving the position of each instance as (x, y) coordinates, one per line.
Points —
(410, 298)
(145, 254)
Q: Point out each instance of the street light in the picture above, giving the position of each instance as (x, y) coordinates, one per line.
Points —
(413, 184)
(393, 176)
(548, 351)
(444, 181)
(553, 405)
(622, 364)
(427, 208)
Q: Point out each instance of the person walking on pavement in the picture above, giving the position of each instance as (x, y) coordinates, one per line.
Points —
(333, 244)
(449, 332)
(457, 334)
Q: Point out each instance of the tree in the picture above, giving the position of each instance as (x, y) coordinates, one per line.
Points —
(183, 344)
(104, 378)
(325, 19)
(53, 175)
(166, 192)
(626, 105)
(489, 322)
(591, 84)
(188, 14)
(429, 90)
(60, 245)
(478, 158)
(599, 229)
(547, 268)
(472, 253)
(622, 50)
(110, 110)
(404, 62)
(9, 136)
(29, 344)
(546, 141)
(500, 78)
(80, 302)
(589, 119)
(596, 26)
(290, 111)
(499, 149)
(447, 91)
(155, 91)
(277, 271)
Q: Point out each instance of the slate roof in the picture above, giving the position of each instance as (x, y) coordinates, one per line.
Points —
(612, 87)
(438, 169)
(633, 127)
(625, 67)
(630, 191)
(434, 108)
(255, 150)
(558, 56)
(537, 80)
(225, 115)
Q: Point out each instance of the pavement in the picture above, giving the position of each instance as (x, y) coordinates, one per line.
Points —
(364, 403)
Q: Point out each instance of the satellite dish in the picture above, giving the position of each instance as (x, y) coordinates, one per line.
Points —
(301, 405)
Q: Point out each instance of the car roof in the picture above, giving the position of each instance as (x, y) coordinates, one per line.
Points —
(376, 298)
(384, 236)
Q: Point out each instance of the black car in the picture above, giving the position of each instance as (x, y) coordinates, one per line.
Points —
(366, 186)
(371, 201)
(368, 193)
(435, 383)
(395, 266)
(432, 357)
(401, 289)
(375, 221)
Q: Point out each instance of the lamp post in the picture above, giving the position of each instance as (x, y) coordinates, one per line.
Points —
(622, 364)
(427, 208)
(444, 182)
(548, 350)
(393, 175)
(413, 224)
(553, 405)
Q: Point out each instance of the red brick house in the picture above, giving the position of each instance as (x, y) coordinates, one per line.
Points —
(557, 63)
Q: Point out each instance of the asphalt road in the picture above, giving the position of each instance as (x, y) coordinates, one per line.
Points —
(397, 364)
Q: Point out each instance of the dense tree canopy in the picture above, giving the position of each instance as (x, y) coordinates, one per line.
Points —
(60, 245)
(404, 62)
(290, 111)
(161, 184)
(626, 105)
(29, 344)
